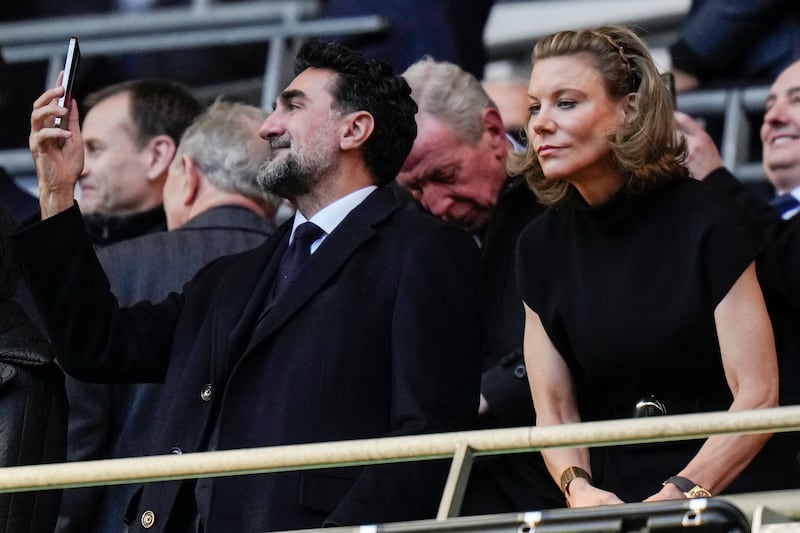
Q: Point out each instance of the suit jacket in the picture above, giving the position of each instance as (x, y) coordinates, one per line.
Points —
(105, 230)
(378, 336)
(107, 421)
(20, 203)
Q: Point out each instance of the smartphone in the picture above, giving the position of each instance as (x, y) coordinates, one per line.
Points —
(669, 81)
(70, 71)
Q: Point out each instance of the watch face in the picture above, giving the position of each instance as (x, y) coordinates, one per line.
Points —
(698, 492)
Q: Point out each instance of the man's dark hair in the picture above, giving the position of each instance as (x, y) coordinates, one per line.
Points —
(368, 85)
(158, 107)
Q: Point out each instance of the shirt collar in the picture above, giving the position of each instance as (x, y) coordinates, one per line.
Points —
(330, 216)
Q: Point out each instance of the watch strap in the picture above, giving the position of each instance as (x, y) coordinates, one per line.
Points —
(689, 488)
(684, 484)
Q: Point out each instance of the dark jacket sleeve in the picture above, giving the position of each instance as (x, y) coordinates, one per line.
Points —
(506, 389)
(781, 267)
(767, 221)
(721, 39)
(95, 340)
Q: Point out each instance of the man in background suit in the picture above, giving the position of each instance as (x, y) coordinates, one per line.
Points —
(214, 207)
(130, 133)
(457, 171)
(376, 334)
(775, 222)
(780, 139)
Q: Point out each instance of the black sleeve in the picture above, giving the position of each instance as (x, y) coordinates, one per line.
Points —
(717, 35)
(95, 340)
(505, 388)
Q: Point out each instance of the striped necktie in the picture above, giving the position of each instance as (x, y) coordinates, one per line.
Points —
(784, 203)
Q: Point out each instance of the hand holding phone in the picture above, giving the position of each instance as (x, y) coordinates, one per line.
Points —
(70, 72)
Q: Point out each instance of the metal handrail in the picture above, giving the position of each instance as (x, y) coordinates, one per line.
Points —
(179, 28)
(50, 32)
(734, 104)
(731, 103)
(398, 449)
(275, 23)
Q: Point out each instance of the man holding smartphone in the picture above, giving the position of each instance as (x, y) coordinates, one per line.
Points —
(355, 319)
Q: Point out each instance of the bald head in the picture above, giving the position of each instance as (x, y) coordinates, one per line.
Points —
(780, 132)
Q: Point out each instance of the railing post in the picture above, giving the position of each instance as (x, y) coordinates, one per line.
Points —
(278, 70)
(736, 131)
(456, 485)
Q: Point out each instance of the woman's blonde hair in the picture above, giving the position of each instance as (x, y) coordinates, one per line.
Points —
(647, 149)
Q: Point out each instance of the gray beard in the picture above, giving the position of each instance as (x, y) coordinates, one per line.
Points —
(299, 173)
(287, 179)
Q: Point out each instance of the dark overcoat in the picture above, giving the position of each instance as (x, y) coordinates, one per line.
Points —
(118, 420)
(380, 335)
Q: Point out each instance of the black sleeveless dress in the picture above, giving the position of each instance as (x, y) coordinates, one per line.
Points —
(627, 294)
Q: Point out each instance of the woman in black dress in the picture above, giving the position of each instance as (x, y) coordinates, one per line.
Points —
(647, 294)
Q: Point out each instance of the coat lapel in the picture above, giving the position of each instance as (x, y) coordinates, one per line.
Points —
(336, 249)
(242, 296)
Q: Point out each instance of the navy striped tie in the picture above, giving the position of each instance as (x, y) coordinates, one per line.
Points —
(784, 203)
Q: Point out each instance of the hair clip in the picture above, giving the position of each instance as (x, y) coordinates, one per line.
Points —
(622, 56)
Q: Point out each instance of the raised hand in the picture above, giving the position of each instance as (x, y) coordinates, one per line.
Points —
(57, 152)
(702, 154)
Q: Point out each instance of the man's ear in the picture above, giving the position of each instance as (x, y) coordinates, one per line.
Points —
(356, 129)
(190, 180)
(495, 132)
(160, 151)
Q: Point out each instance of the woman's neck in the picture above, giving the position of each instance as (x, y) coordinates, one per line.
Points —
(598, 189)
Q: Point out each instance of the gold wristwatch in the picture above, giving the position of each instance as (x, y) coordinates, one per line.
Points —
(570, 474)
(689, 488)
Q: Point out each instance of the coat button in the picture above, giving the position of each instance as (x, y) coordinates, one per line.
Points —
(520, 371)
(148, 519)
(176, 451)
(206, 393)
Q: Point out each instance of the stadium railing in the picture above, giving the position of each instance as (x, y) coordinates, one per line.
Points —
(461, 447)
